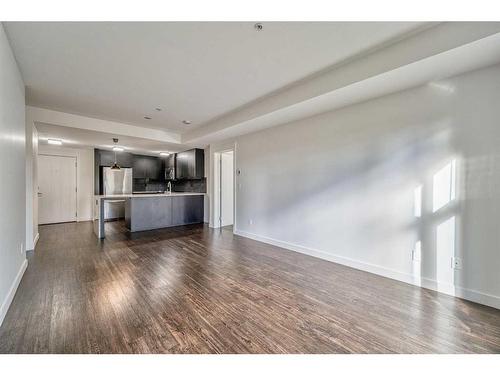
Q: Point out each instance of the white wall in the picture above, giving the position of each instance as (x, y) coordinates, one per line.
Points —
(12, 164)
(84, 175)
(341, 185)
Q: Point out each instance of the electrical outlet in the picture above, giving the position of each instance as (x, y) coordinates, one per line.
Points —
(456, 263)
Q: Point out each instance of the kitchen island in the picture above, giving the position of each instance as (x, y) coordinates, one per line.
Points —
(152, 211)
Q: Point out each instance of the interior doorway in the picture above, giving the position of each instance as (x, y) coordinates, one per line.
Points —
(57, 189)
(224, 189)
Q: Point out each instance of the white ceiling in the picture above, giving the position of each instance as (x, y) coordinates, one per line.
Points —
(192, 70)
(472, 56)
(81, 138)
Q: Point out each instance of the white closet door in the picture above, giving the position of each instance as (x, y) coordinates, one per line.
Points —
(57, 189)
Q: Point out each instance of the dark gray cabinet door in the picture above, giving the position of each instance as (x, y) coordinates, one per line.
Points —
(187, 209)
(145, 213)
(170, 161)
(139, 167)
(147, 167)
(190, 164)
(170, 172)
(107, 158)
(183, 162)
(155, 169)
(148, 213)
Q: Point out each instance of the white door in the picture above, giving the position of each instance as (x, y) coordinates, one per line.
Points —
(56, 188)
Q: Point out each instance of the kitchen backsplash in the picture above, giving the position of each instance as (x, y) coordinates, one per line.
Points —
(194, 186)
(140, 184)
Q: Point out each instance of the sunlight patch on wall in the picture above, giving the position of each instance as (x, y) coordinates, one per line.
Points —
(445, 251)
(444, 186)
(418, 201)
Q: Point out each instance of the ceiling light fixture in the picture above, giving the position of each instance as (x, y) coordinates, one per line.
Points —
(56, 142)
(115, 166)
(164, 153)
(147, 117)
(187, 122)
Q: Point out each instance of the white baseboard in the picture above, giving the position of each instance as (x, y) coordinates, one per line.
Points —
(81, 219)
(35, 241)
(456, 291)
(12, 291)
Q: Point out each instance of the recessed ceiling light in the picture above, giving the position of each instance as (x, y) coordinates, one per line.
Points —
(118, 149)
(147, 117)
(56, 142)
(158, 109)
(187, 122)
(164, 153)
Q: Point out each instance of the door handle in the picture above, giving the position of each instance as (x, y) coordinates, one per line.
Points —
(40, 194)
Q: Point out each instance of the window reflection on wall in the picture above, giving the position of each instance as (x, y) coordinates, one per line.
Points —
(445, 251)
(443, 186)
(417, 209)
(439, 226)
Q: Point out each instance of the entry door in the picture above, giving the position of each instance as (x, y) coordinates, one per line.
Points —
(57, 189)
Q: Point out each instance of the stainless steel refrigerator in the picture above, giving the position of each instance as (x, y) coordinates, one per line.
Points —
(116, 182)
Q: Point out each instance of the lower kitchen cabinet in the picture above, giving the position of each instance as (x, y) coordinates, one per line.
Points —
(145, 213)
(187, 209)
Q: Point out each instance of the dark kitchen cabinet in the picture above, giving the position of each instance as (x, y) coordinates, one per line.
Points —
(170, 163)
(190, 164)
(107, 158)
(164, 211)
(187, 209)
(147, 167)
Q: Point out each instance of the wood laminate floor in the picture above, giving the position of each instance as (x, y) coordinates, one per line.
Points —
(197, 290)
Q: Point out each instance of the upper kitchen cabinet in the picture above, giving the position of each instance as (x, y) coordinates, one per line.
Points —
(104, 158)
(190, 164)
(147, 167)
(170, 163)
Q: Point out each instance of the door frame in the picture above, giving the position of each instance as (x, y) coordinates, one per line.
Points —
(216, 187)
(76, 183)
